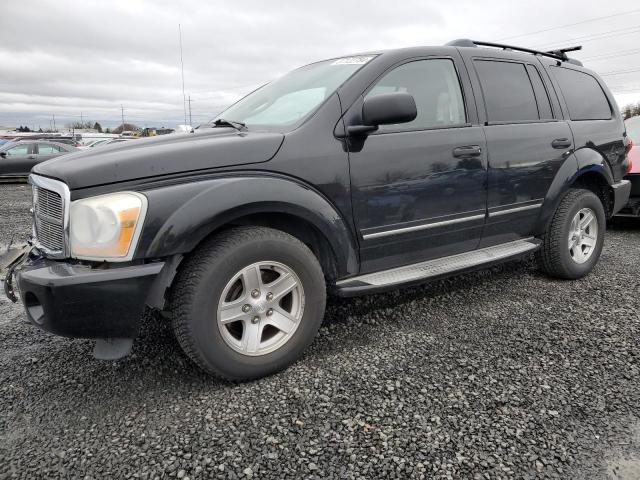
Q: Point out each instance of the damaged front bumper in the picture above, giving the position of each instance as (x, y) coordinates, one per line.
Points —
(75, 300)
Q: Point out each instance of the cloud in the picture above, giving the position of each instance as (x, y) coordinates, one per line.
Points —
(70, 58)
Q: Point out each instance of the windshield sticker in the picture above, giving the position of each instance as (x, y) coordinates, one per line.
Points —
(360, 60)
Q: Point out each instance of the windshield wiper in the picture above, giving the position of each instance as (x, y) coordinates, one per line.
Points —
(221, 122)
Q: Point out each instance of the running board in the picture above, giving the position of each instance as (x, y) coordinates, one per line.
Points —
(439, 267)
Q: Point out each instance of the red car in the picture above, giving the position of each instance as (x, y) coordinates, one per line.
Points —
(633, 172)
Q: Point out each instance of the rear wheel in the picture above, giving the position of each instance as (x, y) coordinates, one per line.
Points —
(248, 302)
(573, 241)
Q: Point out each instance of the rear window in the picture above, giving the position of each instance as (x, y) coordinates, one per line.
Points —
(508, 92)
(584, 95)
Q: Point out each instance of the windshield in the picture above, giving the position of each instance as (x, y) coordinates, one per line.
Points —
(633, 129)
(287, 101)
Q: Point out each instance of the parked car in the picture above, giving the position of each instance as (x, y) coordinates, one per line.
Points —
(349, 176)
(111, 141)
(91, 143)
(69, 140)
(632, 209)
(18, 158)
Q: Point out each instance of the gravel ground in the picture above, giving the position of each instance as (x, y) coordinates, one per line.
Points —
(500, 374)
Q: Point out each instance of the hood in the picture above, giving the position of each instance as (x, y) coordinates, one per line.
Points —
(162, 155)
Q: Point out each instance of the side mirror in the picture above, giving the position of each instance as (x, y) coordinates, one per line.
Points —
(385, 109)
(3, 154)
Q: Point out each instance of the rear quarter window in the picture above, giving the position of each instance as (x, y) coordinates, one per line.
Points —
(583, 94)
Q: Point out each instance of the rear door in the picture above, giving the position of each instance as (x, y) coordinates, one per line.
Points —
(47, 151)
(527, 142)
(17, 160)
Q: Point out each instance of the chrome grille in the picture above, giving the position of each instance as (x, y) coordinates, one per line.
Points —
(48, 204)
(49, 235)
(49, 222)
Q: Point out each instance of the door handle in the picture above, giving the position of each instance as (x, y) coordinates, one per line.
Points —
(561, 143)
(467, 151)
(31, 157)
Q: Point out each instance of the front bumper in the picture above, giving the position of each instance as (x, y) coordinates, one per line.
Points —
(632, 207)
(621, 191)
(80, 301)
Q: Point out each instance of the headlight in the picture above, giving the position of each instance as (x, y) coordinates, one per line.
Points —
(106, 227)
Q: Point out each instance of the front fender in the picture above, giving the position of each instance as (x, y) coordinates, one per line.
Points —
(578, 163)
(181, 215)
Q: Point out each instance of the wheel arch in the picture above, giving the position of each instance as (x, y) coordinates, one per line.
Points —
(187, 214)
(584, 168)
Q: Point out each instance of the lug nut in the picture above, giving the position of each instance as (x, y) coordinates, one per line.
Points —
(269, 312)
(246, 308)
(255, 293)
(269, 296)
(255, 320)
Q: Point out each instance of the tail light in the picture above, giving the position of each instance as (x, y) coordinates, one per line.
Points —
(629, 161)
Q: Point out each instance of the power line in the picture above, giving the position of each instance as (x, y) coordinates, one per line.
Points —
(606, 56)
(593, 37)
(620, 72)
(570, 24)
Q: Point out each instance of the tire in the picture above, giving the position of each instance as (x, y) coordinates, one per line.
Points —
(246, 348)
(556, 257)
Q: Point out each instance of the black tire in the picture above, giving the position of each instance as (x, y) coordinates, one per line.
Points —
(199, 285)
(554, 256)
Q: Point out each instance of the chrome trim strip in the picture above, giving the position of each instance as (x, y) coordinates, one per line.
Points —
(63, 190)
(514, 210)
(426, 226)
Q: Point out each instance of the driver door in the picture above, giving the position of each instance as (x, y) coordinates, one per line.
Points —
(18, 160)
(419, 188)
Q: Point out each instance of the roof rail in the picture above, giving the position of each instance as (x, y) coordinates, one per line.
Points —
(560, 54)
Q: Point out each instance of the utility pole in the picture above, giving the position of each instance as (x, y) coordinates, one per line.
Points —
(184, 99)
(81, 120)
(122, 111)
(190, 122)
(54, 123)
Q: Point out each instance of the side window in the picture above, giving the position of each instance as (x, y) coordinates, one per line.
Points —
(18, 150)
(508, 92)
(47, 149)
(436, 89)
(583, 94)
(542, 95)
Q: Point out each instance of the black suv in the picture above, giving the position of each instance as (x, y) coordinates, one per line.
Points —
(350, 175)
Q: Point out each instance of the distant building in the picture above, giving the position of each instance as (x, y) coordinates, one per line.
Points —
(153, 131)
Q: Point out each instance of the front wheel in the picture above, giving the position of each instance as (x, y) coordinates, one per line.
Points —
(573, 241)
(247, 302)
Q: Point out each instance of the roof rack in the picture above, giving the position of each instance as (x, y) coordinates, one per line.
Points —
(559, 54)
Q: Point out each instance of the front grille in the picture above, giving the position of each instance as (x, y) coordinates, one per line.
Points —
(48, 203)
(48, 211)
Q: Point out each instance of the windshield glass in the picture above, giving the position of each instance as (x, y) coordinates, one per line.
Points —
(289, 100)
(633, 129)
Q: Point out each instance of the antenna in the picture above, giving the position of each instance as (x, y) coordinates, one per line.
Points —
(184, 99)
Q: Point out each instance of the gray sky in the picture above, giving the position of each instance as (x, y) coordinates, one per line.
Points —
(71, 57)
